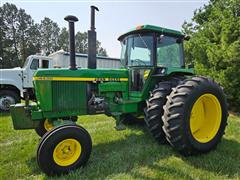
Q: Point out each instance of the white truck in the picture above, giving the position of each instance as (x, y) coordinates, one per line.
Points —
(14, 81)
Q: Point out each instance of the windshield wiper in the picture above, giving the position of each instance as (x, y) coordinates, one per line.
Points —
(144, 42)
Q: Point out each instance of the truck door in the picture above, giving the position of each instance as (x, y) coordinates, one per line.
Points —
(32, 67)
(29, 72)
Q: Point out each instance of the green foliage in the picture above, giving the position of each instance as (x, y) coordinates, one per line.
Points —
(63, 39)
(215, 45)
(82, 44)
(49, 35)
(20, 37)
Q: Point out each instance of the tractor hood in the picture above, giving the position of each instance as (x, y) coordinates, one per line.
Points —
(82, 75)
(62, 90)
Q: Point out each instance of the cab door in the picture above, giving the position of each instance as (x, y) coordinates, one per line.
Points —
(140, 61)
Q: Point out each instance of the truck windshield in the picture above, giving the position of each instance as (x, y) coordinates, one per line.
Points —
(26, 62)
(137, 50)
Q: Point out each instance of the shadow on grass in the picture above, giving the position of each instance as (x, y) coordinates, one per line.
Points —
(140, 150)
(223, 160)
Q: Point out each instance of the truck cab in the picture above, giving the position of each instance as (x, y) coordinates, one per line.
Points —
(15, 80)
(30, 66)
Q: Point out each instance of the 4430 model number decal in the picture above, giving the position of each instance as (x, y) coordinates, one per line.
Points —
(77, 79)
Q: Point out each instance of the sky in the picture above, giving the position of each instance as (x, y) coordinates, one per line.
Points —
(114, 17)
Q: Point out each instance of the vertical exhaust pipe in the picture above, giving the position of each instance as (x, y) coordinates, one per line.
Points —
(92, 38)
(71, 20)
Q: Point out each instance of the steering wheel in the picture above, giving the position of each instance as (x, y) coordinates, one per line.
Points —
(139, 61)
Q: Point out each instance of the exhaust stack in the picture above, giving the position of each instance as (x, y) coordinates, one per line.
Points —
(92, 38)
(71, 20)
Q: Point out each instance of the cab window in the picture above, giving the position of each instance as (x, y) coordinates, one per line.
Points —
(35, 64)
(169, 52)
(45, 64)
(140, 49)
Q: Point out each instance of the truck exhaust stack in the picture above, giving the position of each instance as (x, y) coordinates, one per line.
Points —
(71, 20)
(92, 38)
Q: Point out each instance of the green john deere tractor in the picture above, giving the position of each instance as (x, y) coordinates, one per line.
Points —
(187, 111)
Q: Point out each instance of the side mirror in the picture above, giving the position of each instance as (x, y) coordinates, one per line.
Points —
(187, 37)
(160, 38)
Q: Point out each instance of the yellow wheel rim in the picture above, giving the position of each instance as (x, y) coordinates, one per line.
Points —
(48, 125)
(205, 118)
(67, 152)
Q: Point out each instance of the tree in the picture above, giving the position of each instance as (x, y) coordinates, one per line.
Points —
(34, 43)
(82, 44)
(20, 37)
(2, 35)
(100, 50)
(49, 35)
(24, 34)
(63, 39)
(16, 35)
(215, 45)
(9, 13)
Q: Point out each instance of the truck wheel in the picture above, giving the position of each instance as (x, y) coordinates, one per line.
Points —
(8, 97)
(63, 149)
(44, 126)
(195, 116)
(154, 109)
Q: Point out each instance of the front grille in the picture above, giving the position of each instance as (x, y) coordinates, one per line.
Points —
(68, 95)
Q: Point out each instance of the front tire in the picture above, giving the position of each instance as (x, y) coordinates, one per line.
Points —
(63, 149)
(195, 116)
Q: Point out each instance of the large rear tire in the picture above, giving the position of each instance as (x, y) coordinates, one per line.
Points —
(154, 109)
(63, 149)
(195, 116)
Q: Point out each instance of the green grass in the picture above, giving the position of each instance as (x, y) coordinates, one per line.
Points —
(129, 154)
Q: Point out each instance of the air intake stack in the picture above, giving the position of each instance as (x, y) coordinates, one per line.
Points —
(92, 38)
(71, 20)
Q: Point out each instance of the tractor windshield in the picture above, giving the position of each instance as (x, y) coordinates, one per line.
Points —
(137, 50)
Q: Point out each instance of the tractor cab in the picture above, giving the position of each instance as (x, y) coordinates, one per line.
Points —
(151, 50)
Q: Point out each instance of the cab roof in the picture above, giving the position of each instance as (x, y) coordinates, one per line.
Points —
(151, 28)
